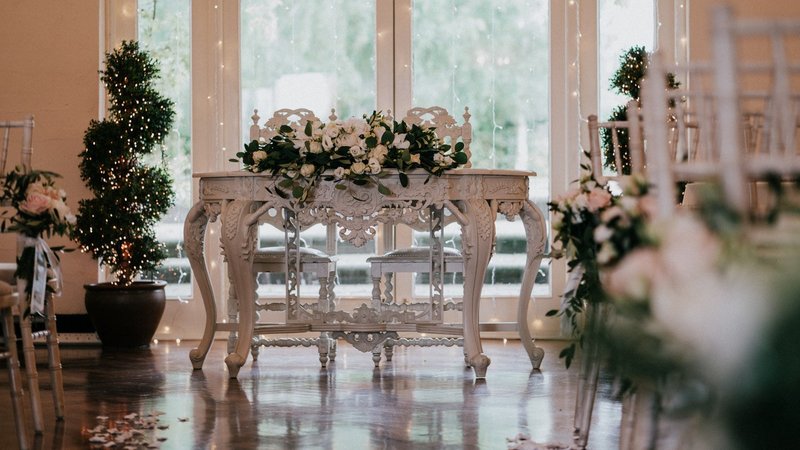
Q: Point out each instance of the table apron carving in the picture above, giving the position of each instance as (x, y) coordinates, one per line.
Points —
(474, 198)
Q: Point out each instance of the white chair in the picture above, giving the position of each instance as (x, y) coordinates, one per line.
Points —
(273, 260)
(746, 113)
(745, 116)
(591, 356)
(9, 300)
(49, 333)
(423, 259)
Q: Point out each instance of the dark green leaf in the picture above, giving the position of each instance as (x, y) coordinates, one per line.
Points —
(403, 179)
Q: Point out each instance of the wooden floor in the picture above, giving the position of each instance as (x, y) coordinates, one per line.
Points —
(424, 399)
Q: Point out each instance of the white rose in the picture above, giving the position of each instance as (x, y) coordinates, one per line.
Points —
(602, 233)
(259, 156)
(357, 151)
(339, 173)
(315, 147)
(307, 170)
(633, 277)
(71, 219)
(400, 141)
(379, 153)
(332, 129)
(358, 167)
(606, 254)
(415, 158)
(327, 142)
(374, 166)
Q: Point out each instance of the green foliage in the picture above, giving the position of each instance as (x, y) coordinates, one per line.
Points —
(117, 225)
(627, 80)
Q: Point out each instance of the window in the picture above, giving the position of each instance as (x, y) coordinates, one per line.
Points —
(530, 71)
(164, 30)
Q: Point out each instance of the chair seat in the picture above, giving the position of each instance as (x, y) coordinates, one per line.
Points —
(7, 271)
(414, 254)
(277, 254)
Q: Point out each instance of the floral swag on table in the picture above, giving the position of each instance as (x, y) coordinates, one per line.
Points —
(594, 228)
(37, 210)
(354, 151)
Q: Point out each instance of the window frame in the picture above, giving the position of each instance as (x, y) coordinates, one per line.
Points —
(216, 110)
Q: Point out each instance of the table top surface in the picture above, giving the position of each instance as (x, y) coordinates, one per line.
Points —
(450, 173)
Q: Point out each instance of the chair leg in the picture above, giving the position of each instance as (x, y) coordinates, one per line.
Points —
(376, 292)
(32, 375)
(332, 351)
(388, 349)
(376, 356)
(54, 360)
(14, 377)
(324, 346)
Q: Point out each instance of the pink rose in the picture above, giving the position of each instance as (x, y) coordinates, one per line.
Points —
(598, 198)
(35, 203)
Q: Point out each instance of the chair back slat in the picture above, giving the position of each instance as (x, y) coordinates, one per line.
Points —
(617, 131)
(445, 124)
(25, 143)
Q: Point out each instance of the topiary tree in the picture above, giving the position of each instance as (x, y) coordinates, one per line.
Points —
(627, 81)
(117, 225)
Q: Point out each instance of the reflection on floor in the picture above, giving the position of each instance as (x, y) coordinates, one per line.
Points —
(424, 399)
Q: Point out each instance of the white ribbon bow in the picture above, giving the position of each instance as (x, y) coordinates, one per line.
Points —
(43, 257)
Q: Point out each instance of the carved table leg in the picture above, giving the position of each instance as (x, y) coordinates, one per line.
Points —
(536, 235)
(477, 235)
(194, 230)
(238, 243)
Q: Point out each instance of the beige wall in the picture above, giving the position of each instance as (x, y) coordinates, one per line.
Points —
(700, 19)
(48, 67)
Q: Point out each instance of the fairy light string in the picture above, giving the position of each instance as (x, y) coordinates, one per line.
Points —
(117, 225)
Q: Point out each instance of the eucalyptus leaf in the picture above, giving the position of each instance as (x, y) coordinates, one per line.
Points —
(403, 179)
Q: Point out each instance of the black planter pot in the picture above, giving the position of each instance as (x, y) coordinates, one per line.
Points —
(126, 316)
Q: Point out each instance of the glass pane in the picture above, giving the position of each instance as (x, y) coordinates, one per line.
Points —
(621, 25)
(317, 54)
(492, 57)
(165, 32)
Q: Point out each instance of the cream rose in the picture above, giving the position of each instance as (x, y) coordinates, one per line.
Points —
(307, 170)
(259, 156)
(358, 168)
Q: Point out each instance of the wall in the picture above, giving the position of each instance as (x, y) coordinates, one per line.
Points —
(48, 67)
(700, 19)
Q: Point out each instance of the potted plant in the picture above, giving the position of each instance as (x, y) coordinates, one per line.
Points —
(117, 225)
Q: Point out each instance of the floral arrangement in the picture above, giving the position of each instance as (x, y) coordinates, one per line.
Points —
(594, 228)
(707, 319)
(38, 209)
(354, 150)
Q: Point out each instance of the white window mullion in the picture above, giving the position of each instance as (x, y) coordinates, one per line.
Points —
(403, 95)
(215, 108)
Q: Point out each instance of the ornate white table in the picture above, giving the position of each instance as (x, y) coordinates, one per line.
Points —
(473, 196)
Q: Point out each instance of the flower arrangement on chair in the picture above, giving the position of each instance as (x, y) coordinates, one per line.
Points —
(38, 210)
(355, 150)
(594, 228)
